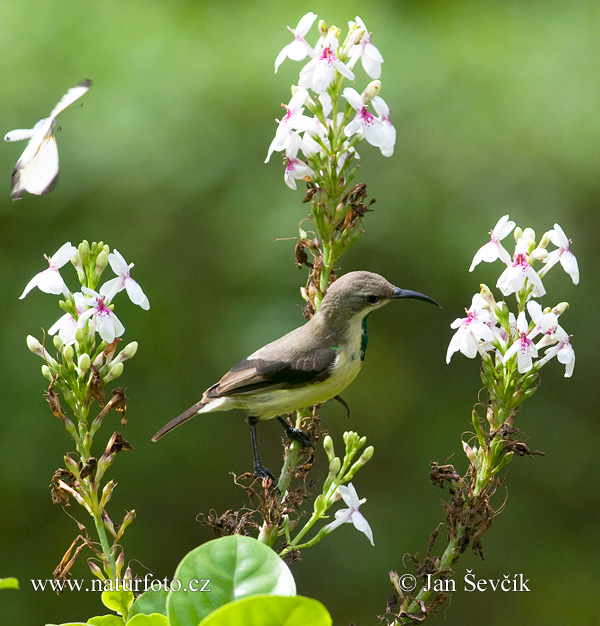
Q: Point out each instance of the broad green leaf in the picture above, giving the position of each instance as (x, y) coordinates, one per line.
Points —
(106, 620)
(9, 583)
(156, 619)
(150, 602)
(270, 611)
(236, 566)
(118, 601)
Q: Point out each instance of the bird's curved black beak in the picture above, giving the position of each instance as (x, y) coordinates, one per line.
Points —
(407, 293)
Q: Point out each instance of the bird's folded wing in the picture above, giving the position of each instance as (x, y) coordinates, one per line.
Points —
(260, 374)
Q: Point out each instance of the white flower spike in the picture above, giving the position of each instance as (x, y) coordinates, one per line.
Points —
(50, 280)
(123, 281)
(351, 514)
(298, 49)
(493, 249)
(36, 170)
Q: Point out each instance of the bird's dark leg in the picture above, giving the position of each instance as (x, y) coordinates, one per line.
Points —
(295, 433)
(260, 471)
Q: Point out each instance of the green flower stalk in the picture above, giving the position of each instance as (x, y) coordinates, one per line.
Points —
(510, 346)
(324, 123)
(86, 340)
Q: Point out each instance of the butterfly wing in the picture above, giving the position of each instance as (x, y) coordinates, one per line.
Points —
(37, 169)
(19, 134)
(73, 94)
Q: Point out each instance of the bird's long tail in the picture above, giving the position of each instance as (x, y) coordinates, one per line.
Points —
(180, 419)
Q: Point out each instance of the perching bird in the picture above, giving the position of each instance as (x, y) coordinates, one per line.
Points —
(308, 366)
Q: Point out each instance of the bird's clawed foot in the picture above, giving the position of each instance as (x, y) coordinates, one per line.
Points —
(261, 472)
(296, 434)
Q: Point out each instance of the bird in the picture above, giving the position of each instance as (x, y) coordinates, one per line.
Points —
(307, 366)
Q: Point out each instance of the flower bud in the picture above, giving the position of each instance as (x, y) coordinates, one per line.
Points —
(560, 308)
(83, 363)
(128, 352)
(101, 262)
(355, 35)
(116, 369)
(79, 335)
(83, 248)
(68, 354)
(517, 233)
(96, 571)
(371, 90)
(107, 493)
(539, 253)
(366, 456)
(78, 265)
(322, 27)
(35, 346)
(328, 446)
(57, 341)
(529, 234)
(46, 373)
(544, 241)
(470, 453)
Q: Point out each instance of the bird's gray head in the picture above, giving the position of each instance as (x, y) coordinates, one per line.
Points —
(359, 293)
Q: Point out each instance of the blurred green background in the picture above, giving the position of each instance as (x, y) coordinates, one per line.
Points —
(497, 106)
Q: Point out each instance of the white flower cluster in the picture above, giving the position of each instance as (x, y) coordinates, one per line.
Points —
(328, 131)
(489, 326)
(90, 305)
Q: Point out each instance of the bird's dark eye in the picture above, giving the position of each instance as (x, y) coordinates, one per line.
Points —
(372, 299)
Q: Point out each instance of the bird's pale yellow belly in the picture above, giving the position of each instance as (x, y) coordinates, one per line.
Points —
(269, 404)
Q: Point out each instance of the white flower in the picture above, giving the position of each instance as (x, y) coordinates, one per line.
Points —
(298, 49)
(387, 148)
(493, 249)
(369, 55)
(364, 121)
(563, 254)
(564, 351)
(295, 168)
(291, 121)
(472, 330)
(319, 72)
(351, 514)
(107, 323)
(123, 281)
(523, 347)
(545, 323)
(514, 276)
(50, 280)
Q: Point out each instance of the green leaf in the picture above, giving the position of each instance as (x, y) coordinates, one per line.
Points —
(236, 567)
(270, 611)
(9, 583)
(118, 601)
(156, 619)
(150, 602)
(106, 620)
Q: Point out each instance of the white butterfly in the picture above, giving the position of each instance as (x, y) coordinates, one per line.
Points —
(37, 169)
